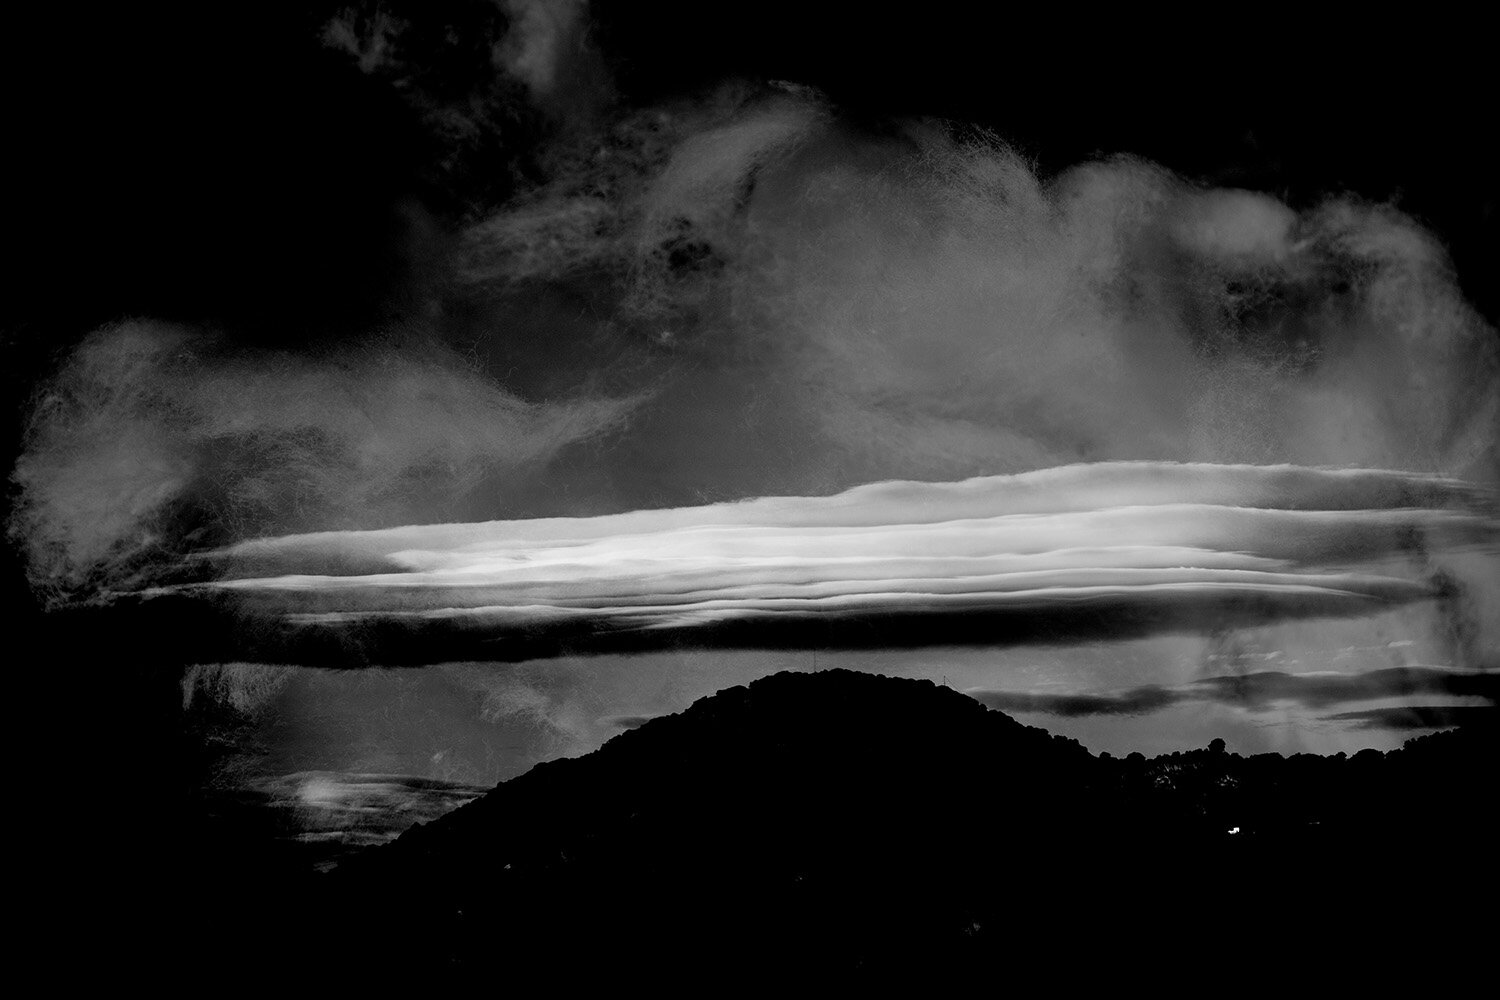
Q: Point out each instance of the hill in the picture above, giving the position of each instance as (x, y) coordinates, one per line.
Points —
(861, 826)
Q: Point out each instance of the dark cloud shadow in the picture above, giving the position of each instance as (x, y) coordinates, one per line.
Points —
(1421, 717)
(1137, 701)
(190, 630)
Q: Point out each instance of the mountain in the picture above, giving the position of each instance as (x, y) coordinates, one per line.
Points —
(860, 826)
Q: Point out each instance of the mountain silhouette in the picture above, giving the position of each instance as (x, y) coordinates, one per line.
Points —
(860, 826)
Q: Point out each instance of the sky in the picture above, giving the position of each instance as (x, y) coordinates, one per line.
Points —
(338, 313)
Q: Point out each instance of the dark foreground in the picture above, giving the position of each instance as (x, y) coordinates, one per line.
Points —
(857, 827)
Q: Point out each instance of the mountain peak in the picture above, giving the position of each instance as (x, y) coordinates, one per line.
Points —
(858, 824)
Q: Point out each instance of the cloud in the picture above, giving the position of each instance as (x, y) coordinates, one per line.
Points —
(244, 687)
(358, 809)
(536, 48)
(1421, 717)
(155, 438)
(657, 205)
(550, 702)
(1319, 690)
(368, 37)
(627, 721)
(1207, 516)
(1262, 690)
(536, 42)
(785, 302)
(1137, 701)
(920, 303)
(491, 83)
(1241, 227)
(893, 563)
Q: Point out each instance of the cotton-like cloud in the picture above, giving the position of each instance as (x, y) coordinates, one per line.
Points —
(923, 305)
(154, 439)
(536, 49)
(657, 206)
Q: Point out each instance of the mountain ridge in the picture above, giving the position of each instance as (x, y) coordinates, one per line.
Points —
(860, 825)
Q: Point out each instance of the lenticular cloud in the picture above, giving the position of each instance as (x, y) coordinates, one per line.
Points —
(1061, 554)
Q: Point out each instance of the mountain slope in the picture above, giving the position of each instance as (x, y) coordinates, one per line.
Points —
(861, 825)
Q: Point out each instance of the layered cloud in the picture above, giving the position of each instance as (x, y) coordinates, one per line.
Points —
(1429, 697)
(1067, 554)
(1261, 689)
(1407, 717)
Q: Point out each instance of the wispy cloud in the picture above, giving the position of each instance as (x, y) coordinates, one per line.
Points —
(922, 304)
(1320, 690)
(155, 438)
(1263, 690)
(1421, 717)
(1136, 701)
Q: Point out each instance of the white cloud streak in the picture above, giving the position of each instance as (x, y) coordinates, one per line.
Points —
(1127, 538)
